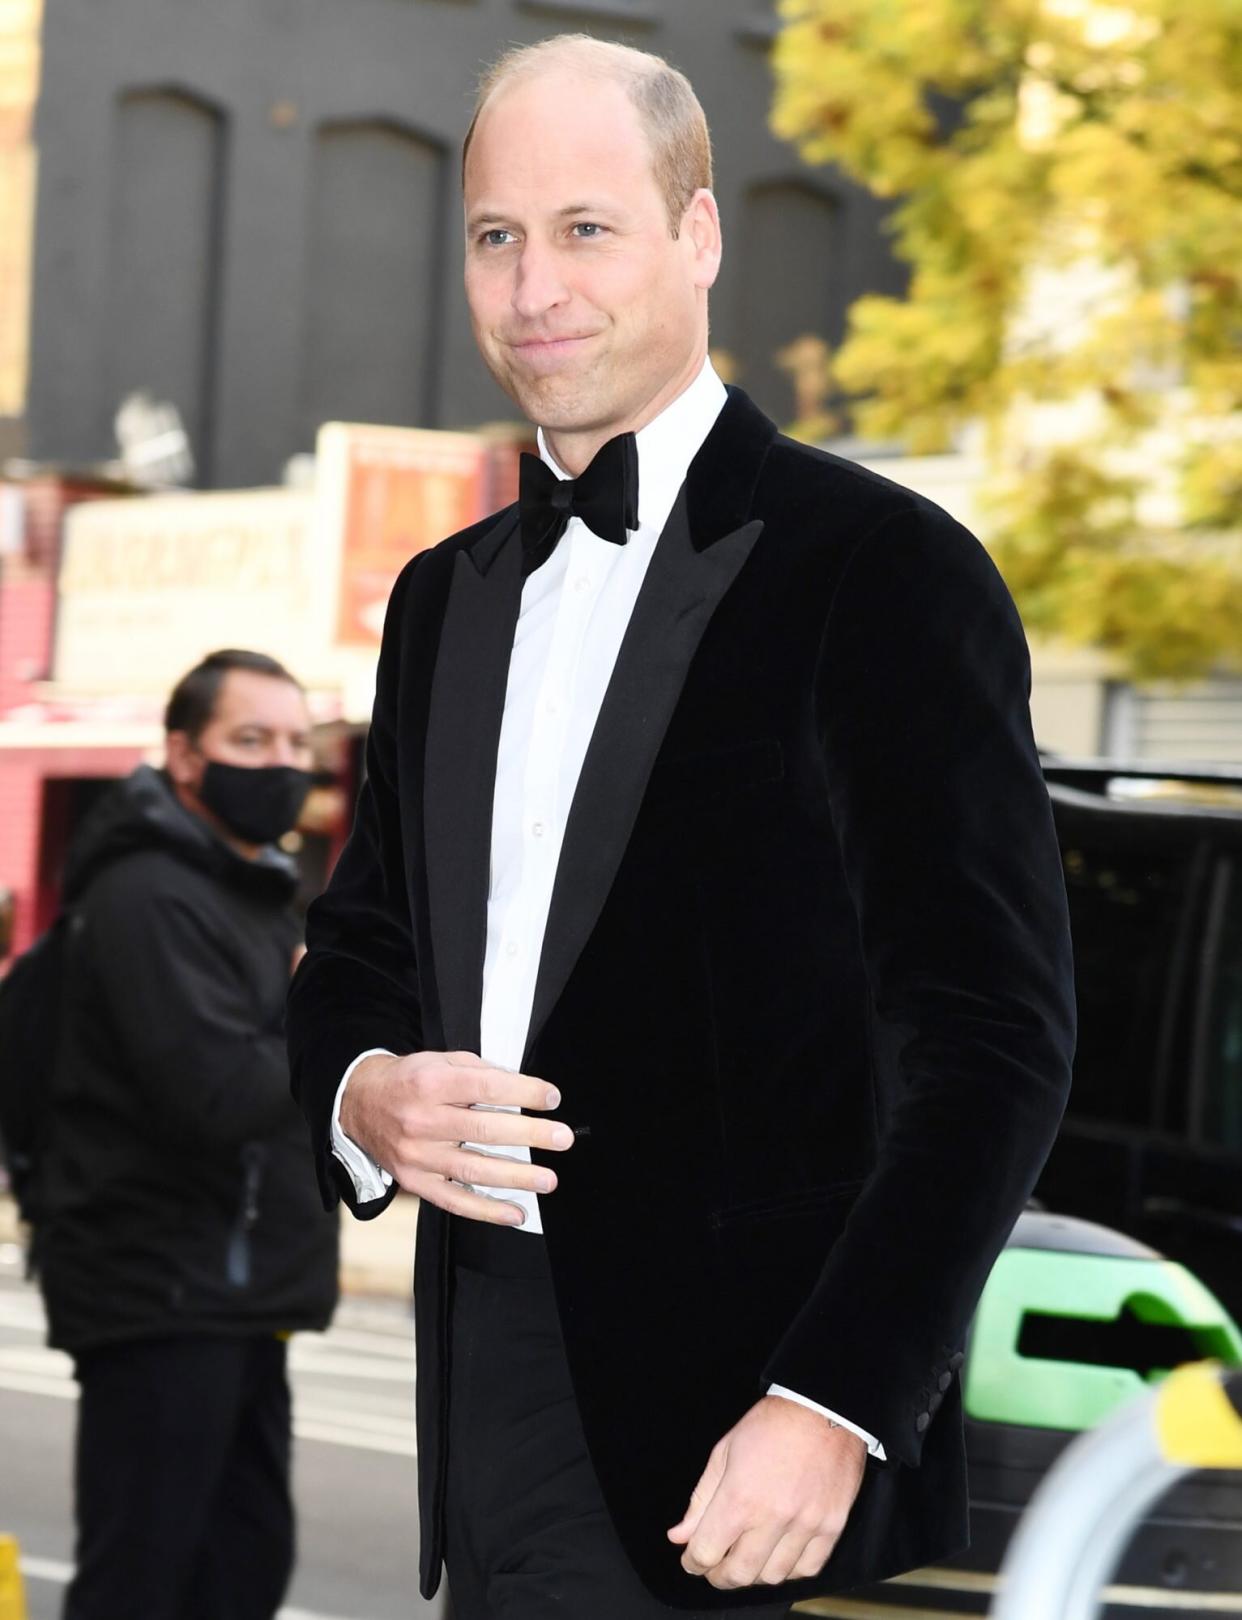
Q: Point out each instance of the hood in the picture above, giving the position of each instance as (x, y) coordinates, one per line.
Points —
(143, 812)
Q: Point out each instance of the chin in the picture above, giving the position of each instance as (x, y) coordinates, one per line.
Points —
(563, 409)
(564, 401)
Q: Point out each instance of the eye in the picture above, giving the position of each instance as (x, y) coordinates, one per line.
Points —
(590, 228)
(493, 238)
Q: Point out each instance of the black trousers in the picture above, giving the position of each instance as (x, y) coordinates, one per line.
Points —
(182, 1477)
(528, 1535)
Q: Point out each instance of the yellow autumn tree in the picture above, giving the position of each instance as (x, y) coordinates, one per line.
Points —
(1067, 185)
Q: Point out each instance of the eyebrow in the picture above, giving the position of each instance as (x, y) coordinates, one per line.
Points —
(300, 735)
(491, 220)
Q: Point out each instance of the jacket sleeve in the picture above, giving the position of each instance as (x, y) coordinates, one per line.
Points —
(357, 986)
(184, 1016)
(949, 851)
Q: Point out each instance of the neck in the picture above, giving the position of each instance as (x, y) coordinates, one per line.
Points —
(196, 807)
(575, 449)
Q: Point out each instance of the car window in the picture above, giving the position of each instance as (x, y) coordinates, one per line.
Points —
(1126, 913)
(1220, 1039)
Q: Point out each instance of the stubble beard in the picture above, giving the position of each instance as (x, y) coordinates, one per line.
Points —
(560, 403)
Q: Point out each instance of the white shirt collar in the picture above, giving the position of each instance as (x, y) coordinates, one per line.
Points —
(667, 445)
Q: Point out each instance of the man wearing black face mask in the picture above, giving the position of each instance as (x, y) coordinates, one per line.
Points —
(184, 1238)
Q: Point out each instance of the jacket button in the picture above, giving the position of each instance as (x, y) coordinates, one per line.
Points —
(934, 1400)
(921, 1422)
(956, 1359)
(944, 1381)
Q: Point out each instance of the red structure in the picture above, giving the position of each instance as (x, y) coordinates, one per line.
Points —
(48, 764)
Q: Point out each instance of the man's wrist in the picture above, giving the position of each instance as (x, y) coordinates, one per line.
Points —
(370, 1179)
(344, 1115)
(874, 1447)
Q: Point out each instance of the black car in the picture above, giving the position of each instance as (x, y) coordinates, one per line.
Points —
(1152, 1139)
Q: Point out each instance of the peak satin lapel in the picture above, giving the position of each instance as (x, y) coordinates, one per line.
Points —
(678, 597)
(459, 776)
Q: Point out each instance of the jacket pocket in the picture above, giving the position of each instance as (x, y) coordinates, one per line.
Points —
(805, 1201)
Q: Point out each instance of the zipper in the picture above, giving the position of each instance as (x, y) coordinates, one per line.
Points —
(237, 1266)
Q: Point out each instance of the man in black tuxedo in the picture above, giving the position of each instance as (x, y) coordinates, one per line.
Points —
(704, 826)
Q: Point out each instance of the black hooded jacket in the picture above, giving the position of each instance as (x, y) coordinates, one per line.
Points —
(180, 1187)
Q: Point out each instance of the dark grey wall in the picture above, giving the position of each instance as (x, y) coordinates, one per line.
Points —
(251, 207)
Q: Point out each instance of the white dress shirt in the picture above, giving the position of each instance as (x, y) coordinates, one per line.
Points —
(573, 615)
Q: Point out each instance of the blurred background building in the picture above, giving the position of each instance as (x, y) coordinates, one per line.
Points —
(251, 209)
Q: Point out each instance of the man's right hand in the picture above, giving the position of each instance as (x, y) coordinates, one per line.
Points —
(412, 1114)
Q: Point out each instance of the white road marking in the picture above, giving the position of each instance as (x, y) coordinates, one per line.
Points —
(329, 1407)
(22, 1311)
(36, 1358)
(63, 1389)
(328, 1435)
(323, 1364)
(328, 1425)
(46, 1569)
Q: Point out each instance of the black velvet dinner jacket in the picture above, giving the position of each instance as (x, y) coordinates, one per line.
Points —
(806, 985)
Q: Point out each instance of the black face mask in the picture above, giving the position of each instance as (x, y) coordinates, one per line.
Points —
(259, 803)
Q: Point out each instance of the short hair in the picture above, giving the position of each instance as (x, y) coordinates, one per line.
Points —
(192, 705)
(670, 112)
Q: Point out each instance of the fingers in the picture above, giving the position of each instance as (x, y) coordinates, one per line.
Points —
(459, 1080)
(715, 1519)
(416, 1157)
(730, 1556)
(700, 1497)
(745, 1559)
(793, 1552)
(814, 1556)
(412, 1113)
(494, 1170)
(455, 1200)
(491, 1129)
(466, 1083)
(722, 1522)
(681, 1533)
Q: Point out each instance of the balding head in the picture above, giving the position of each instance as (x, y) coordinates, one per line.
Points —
(668, 109)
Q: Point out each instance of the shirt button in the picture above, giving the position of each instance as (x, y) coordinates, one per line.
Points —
(582, 583)
(550, 706)
(511, 949)
(536, 828)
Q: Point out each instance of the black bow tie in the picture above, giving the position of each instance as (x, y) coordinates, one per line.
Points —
(605, 497)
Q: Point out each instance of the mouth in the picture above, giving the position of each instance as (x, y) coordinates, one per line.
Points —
(547, 353)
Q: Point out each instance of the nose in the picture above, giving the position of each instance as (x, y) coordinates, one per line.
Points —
(285, 751)
(538, 286)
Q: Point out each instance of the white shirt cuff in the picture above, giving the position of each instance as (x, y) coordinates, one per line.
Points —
(370, 1181)
(872, 1444)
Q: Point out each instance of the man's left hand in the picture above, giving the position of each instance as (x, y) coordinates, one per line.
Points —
(773, 1499)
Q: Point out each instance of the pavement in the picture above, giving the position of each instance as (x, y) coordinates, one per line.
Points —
(377, 1256)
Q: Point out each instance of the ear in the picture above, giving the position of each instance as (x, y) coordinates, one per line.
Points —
(180, 759)
(700, 226)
